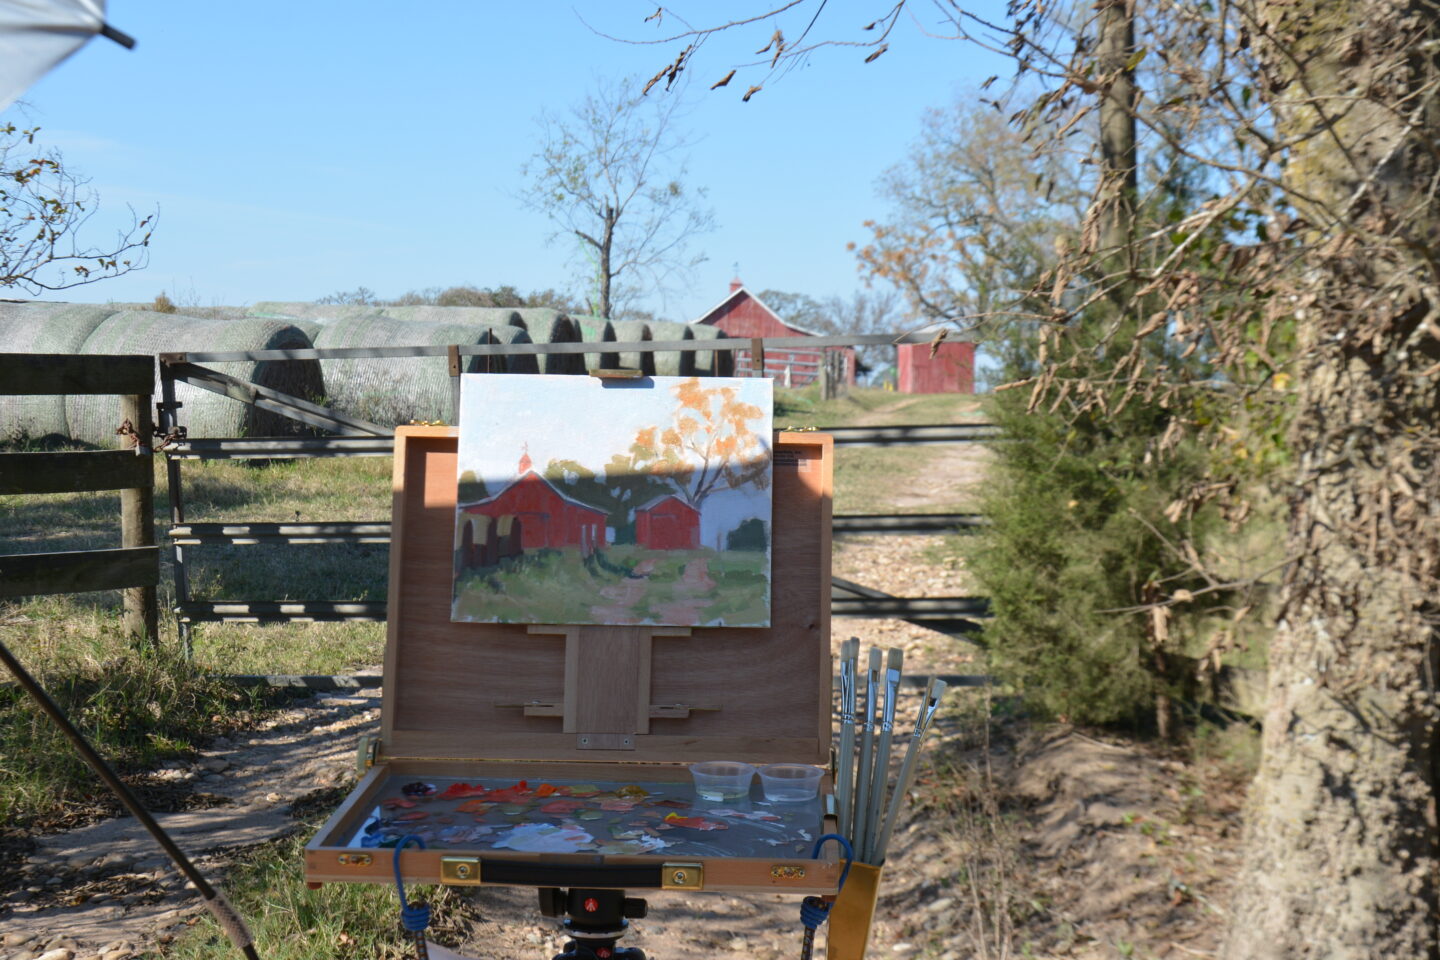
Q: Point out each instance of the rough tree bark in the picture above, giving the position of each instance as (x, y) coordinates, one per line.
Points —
(1342, 852)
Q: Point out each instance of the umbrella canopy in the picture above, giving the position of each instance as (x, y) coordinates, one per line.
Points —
(35, 35)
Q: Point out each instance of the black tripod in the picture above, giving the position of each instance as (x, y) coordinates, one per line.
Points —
(595, 920)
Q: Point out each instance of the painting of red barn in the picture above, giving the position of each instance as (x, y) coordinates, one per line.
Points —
(667, 523)
(581, 500)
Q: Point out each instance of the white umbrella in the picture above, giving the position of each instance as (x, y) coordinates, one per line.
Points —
(35, 35)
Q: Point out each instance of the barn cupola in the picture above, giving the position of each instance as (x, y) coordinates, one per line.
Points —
(736, 284)
(525, 465)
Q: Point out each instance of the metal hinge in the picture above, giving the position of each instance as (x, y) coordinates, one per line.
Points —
(367, 754)
(682, 876)
(460, 871)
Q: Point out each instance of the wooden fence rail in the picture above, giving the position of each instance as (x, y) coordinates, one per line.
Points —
(135, 566)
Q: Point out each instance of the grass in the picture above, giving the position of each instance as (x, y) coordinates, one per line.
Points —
(291, 922)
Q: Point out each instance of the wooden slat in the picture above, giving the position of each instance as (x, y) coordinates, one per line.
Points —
(898, 523)
(278, 611)
(79, 571)
(298, 533)
(34, 374)
(278, 448)
(74, 471)
(509, 349)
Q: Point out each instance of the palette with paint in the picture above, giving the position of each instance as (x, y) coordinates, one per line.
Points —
(558, 756)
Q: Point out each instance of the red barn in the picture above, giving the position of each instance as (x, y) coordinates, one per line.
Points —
(668, 523)
(546, 516)
(951, 370)
(744, 315)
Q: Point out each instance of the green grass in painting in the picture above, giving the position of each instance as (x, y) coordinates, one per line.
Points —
(622, 584)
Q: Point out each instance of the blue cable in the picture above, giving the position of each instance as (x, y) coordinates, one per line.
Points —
(813, 910)
(414, 919)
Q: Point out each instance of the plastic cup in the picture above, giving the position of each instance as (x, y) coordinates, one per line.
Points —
(722, 779)
(790, 782)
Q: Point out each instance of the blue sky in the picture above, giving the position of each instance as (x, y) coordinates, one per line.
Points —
(297, 149)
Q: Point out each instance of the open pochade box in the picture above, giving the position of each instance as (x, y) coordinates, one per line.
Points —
(557, 756)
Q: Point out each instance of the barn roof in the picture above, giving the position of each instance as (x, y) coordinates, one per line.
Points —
(531, 473)
(661, 499)
(779, 319)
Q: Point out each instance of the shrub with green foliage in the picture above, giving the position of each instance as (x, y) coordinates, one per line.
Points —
(1078, 540)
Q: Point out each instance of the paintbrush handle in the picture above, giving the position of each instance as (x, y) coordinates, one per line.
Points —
(877, 796)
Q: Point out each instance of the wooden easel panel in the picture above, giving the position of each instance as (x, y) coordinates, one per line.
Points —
(446, 683)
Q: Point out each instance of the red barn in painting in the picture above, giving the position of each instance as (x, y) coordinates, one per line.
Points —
(744, 315)
(546, 516)
(668, 523)
(950, 370)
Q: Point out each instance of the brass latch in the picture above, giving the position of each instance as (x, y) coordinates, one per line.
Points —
(786, 871)
(682, 876)
(367, 754)
(355, 859)
(460, 871)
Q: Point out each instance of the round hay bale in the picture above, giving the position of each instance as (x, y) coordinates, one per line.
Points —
(673, 363)
(204, 414)
(597, 330)
(712, 363)
(318, 312)
(634, 331)
(511, 363)
(548, 325)
(38, 327)
(500, 316)
(389, 390)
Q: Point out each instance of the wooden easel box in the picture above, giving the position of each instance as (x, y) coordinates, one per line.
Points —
(452, 690)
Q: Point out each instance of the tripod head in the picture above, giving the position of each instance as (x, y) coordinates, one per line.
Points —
(595, 921)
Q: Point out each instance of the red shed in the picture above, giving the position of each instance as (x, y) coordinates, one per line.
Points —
(951, 370)
(667, 523)
(547, 517)
(744, 315)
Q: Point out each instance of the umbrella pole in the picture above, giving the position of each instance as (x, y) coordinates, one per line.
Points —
(867, 747)
(933, 693)
(881, 776)
(845, 775)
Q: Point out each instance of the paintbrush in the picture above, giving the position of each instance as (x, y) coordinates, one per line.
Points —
(881, 777)
(933, 693)
(845, 777)
(867, 747)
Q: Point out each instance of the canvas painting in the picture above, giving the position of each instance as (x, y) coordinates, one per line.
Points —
(589, 501)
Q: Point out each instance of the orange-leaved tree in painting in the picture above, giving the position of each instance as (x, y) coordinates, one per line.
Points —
(708, 446)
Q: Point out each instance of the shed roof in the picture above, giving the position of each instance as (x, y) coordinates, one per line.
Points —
(743, 290)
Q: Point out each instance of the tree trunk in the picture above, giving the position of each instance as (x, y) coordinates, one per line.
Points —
(1342, 853)
(1118, 190)
(607, 245)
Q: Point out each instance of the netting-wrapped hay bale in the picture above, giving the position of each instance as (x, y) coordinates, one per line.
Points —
(509, 363)
(317, 312)
(500, 316)
(43, 328)
(548, 325)
(634, 331)
(394, 390)
(597, 330)
(204, 414)
(712, 363)
(673, 363)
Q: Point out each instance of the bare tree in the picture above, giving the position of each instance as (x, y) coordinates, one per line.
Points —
(611, 176)
(1306, 270)
(44, 207)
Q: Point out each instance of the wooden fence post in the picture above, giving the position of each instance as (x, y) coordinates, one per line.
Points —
(137, 520)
